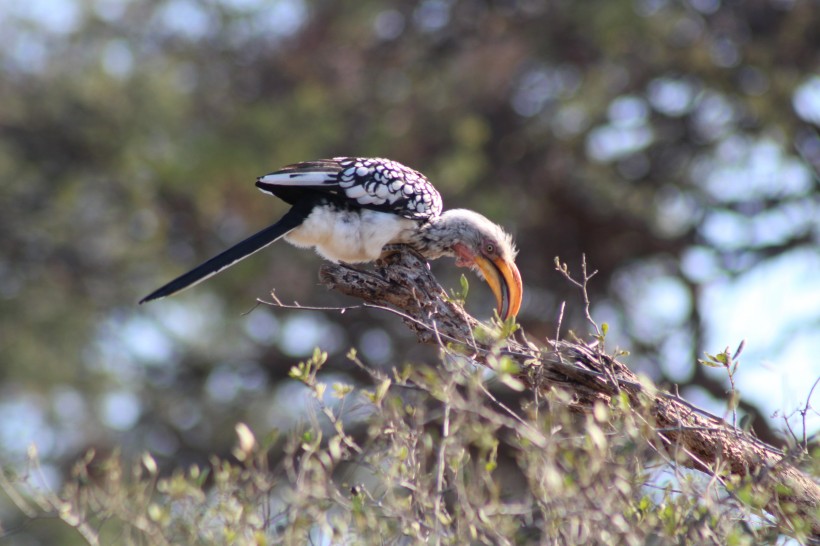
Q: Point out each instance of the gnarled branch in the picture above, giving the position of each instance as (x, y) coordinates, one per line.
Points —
(404, 283)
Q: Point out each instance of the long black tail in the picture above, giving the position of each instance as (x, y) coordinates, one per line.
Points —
(291, 220)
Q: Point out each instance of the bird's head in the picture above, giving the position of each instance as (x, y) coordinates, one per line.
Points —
(485, 247)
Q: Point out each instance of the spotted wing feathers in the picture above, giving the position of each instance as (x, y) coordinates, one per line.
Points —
(374, 183)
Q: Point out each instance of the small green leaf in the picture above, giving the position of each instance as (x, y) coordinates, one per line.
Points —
(297, 372)
(600, 412)
(492, 458)
(340, 390)
(247, 441)
(269, 440)
(512, 382)
(156, 513)
(382, 389)
(507, 365)
(149, 463)
(335, 447)
(319, 357)
(370, 395)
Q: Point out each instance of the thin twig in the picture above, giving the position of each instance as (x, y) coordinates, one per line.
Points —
(582, 284)
(805, 412)
(445, 435)
(297, 305)
(558, 330)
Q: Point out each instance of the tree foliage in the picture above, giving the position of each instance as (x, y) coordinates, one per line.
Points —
(439, 459)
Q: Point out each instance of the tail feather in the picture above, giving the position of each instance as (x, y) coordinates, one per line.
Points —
(291, 220)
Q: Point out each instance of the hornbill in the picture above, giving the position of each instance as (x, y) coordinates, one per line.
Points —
(350, 208)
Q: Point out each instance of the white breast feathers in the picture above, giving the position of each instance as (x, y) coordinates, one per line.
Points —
(350, 236)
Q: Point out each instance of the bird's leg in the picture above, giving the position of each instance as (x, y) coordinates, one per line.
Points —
(349, 266)
(398, 248)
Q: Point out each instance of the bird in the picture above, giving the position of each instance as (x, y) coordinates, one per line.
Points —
(349, 209)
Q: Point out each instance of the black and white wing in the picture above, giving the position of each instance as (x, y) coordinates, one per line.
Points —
(371, 183)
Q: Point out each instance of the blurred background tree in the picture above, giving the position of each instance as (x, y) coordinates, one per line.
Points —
(675, 143)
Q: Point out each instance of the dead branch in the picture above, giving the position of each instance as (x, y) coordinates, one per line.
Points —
(403, 284)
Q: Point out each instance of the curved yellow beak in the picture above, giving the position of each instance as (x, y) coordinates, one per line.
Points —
(505, 282)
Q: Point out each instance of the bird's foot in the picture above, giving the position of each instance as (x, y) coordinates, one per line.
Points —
(389, 251)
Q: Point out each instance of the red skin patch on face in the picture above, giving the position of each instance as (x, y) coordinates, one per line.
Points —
(463, 256)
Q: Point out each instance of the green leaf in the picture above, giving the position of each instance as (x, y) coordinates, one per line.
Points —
(340, 390)
(149, 463)
(382, 389)
(507, 365)
(298, 372)
(319, 357)
(512, 382)
(335, 447)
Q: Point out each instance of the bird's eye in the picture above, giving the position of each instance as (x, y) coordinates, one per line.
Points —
(489, 248)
